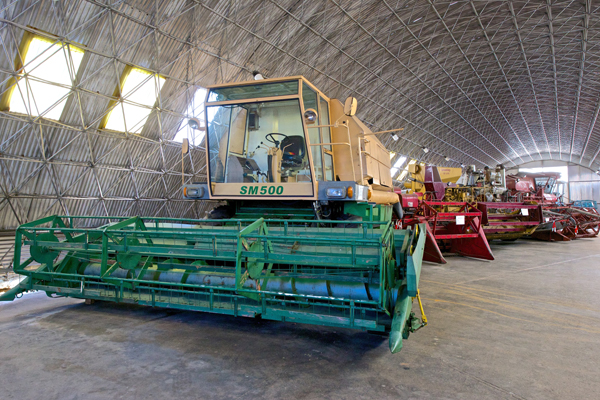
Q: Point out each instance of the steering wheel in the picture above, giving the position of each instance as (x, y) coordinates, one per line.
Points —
(271, 139)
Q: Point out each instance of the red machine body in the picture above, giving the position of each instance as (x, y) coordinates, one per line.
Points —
(564, 223)
(519, 184)
(458, 232)
(559, 222)
(408, 200)
(453, 227)
(509, 221)
(435, 189)
(530, 187)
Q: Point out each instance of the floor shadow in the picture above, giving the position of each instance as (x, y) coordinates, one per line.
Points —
(295, 337)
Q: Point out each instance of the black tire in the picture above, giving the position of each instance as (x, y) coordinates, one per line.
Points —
(397, 209)
(349, 217)
(220, 212)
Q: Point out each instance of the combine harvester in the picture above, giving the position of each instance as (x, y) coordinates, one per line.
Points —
(306, 233)
(542, 188)
(429, 182)
(453, 227)
(463, 211)
(561, 222)
(501, 220)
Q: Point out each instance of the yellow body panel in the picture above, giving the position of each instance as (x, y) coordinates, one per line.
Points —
(417, 173)
(379, 197)
(450, 174)
(366, 159)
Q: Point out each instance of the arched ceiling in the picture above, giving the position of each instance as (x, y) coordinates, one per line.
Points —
(480, 82)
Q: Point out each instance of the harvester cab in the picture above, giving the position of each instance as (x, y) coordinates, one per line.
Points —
(550, 188)
(281, 147)
(544, 187)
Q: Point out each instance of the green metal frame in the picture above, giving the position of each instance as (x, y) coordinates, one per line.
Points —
(362, 277)
(369, 211)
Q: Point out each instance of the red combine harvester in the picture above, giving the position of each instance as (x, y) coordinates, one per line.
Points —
(542, 188)
(502, 220)
(453, 227)
(561, 222)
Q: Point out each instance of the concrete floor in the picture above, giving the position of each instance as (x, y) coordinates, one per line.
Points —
(526, 326)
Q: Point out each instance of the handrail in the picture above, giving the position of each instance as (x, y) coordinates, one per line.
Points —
(195, 221)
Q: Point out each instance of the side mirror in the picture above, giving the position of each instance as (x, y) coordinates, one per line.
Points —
(310, 116)
(350, 106)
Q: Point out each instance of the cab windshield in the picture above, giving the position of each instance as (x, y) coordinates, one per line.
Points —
(257, 142)
(547, 183)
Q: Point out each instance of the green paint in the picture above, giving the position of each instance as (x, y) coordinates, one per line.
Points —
(369, 212)
(279, 269)
(262, 190)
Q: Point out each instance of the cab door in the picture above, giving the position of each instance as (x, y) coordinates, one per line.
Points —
(320, 138)
(326, 151)
(310, 100)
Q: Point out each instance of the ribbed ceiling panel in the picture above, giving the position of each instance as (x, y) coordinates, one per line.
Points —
(480, 82)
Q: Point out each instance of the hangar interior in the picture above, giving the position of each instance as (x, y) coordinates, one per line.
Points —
(97, 98)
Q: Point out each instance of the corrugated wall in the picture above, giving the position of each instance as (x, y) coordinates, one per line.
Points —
(584, 184)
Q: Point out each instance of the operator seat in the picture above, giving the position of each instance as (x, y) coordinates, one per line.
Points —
(294, 150)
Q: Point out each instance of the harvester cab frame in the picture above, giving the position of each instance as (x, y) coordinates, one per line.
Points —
(542, 187)
(281, 146)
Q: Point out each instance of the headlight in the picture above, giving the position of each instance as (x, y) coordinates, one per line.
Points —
(338, 193)
(191, 192)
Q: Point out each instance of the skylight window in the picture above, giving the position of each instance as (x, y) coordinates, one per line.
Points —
(139, 93)
(46, 78)
(397, 165)
(405, 170)
(562, 170)
(195, 110)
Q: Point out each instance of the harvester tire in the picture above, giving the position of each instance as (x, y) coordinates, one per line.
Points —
(350, 217)
(397, 209)
(220, 212)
